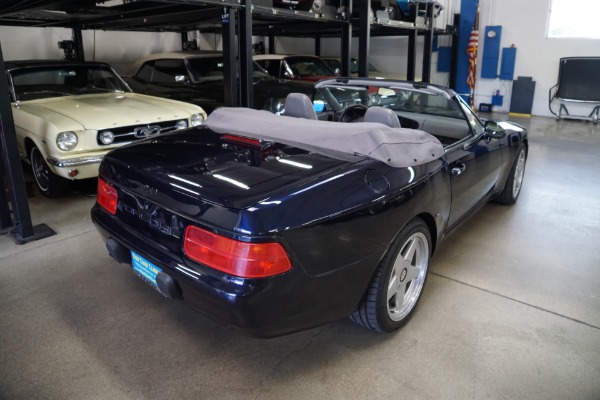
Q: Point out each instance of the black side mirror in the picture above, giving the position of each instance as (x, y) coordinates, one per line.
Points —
(493, 130)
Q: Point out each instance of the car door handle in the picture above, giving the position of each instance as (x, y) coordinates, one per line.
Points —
(458, 169)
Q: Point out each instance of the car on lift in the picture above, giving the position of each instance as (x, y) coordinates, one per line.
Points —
(406, 10)
(277, 223)
(69, 114)
(301, 67)
(192, 76)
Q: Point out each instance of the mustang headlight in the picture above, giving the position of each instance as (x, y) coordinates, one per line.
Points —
(66, 141)
(182, 124)
(106, 137)
(197, 119)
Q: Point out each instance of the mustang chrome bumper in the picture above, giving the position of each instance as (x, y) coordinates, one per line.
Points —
(74, 162)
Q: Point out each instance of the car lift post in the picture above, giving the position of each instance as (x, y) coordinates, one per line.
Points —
(228, 18)
(246, 64)
(427, 51)
(412, 55)
(78, 39)
(346, 38)
(364, 37)
(5, 220)
(24, 231)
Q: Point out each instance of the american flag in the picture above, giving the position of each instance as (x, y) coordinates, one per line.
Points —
(472, 52)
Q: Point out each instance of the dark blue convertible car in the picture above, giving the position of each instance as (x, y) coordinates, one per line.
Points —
(278, 223)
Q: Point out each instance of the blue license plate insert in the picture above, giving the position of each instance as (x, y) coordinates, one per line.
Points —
(145, 268)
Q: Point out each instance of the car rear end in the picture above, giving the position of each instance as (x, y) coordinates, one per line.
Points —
(187, 210)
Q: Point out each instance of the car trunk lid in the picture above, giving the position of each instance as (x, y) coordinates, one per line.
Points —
(198, 165)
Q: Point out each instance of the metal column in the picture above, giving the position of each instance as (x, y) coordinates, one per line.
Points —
(5, 219)
(346, 39)
(229, 57)
(245, 41)
(364, 38)
(428, 46)
(412, 55)
(272, 44)
(24, 231)
(318, 45)
(78, 39)
(454, 64)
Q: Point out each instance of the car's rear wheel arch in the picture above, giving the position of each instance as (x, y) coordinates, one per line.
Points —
(404, 263)
(430, 222)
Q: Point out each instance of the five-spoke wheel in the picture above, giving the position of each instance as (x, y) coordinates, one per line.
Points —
(398, 282)
(512, 187)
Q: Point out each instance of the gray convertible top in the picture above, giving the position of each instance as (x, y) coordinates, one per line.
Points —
(397, 147)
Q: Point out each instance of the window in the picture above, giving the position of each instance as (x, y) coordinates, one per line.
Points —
(574, 19)
(145, 73)
(165, 71)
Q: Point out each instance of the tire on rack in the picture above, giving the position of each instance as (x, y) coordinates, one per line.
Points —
(514, 182)
(398, 282)
(50, 184)
(317, 6)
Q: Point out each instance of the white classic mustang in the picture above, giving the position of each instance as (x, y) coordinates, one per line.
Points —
(68, 115)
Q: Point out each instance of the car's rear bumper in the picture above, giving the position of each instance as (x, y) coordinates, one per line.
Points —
(264, 307)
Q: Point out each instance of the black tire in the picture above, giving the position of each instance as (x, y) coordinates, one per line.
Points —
(403, 271)
(514, 182)
(48, 183)
(317, 6)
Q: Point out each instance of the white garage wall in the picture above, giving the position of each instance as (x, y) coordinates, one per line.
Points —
(32, 43)
(119, 49)
(524, 25)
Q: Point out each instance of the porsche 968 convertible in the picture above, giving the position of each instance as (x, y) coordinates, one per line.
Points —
(274, 224)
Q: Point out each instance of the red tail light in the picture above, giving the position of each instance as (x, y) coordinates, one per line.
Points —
(107, 196)
(241, 140)
(246, 260)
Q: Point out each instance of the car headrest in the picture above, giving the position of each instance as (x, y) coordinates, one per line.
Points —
(382, 115)
(299, 105)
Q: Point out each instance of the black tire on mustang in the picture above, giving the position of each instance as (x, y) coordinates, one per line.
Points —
(398, 282)
(49, 184)
(514, 182)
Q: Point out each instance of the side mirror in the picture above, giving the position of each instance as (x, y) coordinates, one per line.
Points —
(181, 79)
(493, 130)
(319, 106)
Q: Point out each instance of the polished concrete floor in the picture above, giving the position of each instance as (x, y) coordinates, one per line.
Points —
(511, 310)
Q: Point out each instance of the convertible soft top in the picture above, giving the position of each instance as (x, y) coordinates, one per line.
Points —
(397, 147)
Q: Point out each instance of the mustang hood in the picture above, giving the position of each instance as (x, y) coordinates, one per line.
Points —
(198, 165)
(99, 111)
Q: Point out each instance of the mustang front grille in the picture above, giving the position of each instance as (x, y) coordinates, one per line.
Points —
(125, 134)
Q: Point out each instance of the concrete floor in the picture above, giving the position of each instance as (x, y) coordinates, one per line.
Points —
(511, 310)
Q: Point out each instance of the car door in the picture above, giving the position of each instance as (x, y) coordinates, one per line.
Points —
(474, 165)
